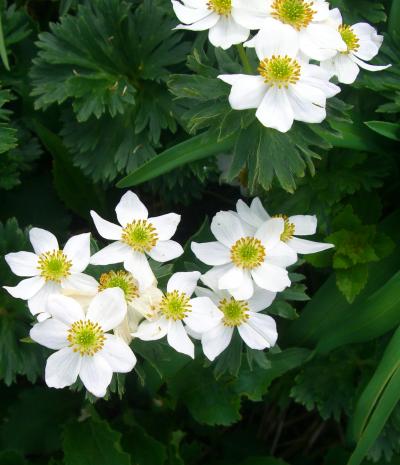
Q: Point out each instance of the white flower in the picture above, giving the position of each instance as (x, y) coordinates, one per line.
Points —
(297, 225)
(50, 269)
(286, 89)
(177, 307)
(362, 44)
(258, 331)
(136, 236)
(312, 29)
(241, 255)
(84, 346)
(219, 16)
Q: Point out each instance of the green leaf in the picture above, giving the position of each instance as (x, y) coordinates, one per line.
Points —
(196, 148)
(389, 130)
(263, 461)
(93, 442)
(352, 281)
(8, 134)
(142, 447)
(3, 51)
(394, 21)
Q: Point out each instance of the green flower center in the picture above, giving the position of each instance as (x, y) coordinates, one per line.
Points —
(54, 266)
(235, 312)
(140, 235)
(289, 230)
(175, 305)
(247, 253)
(297, 13)
(86, 337)
(349, 38)
(279, 71)
(221, 7)
(121, 279)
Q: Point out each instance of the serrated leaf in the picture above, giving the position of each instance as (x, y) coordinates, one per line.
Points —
(8, 134)
(352, 281)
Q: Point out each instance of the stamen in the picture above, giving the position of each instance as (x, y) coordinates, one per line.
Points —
(221, 7)
(235, 311)
(247, 253)
(289, 230)
(141, 235)
(54, 266)
(86, 337)
(175, 305)
(280, 71)
(349, 38)
(121, 279)
(297, 13)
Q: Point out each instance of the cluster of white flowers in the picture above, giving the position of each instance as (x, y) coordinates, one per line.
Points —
(75, 312)
(292, 35)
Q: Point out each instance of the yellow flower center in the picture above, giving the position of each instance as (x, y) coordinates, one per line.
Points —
(297, 13)
(235, 312)
(86, 337)
(54, 266)
(221, 7)
(140, 235)
(175, 305)
(289, 230)
(247, 253)
(121, 279)
(279, 70)
(349, 38)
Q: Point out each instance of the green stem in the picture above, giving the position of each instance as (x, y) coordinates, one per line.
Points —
(245, 61)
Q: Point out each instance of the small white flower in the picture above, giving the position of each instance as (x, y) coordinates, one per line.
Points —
(50, 269)
(84, 346)
(136, 236)
(219, 16)
(297, 225)
(177, 307)
(258, 331)
(312, 29)
(286, 88)
(362, 44)
(242, 254)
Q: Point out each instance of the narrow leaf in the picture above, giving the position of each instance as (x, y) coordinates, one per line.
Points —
(385, 129)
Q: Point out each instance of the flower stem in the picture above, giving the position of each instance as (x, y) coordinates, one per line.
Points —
(243, 57)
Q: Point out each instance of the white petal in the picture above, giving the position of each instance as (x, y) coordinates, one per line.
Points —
(203, 292)
(164, 251)
(275, 110)
(304, 247)
(137, 264)
(346, 69)
(211, 253)
(227, 32)
(118, 354)
(304, 110)
(369, 67)
(304, 225)
(269, 233)
(227, 228)
(108, 308)
(204, 315)
(257, 208)
(321, 41)
(166, 225)
(318, 78)
(116, 252)
(62, 368)
(42, 240)
(245, 290)
(26, 288)
(77, 249)
(106, 229)
(275, 38)
(281, 255)
(247, 91)
(81, 284)
(152, 330)
(231, 279)
(96, 374)
(261, 299)
(130, 208)
(185, 282)
(50, 333)
(216, 341)
(189, 15)
(212, 277)
(65, 309)
(43, 316)
(271, 277)
(248, 215)
(260, 331)
(39, 302)
(178, 338)
(250, 13)
(23, 263)
(203, 24)
(369, 41)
